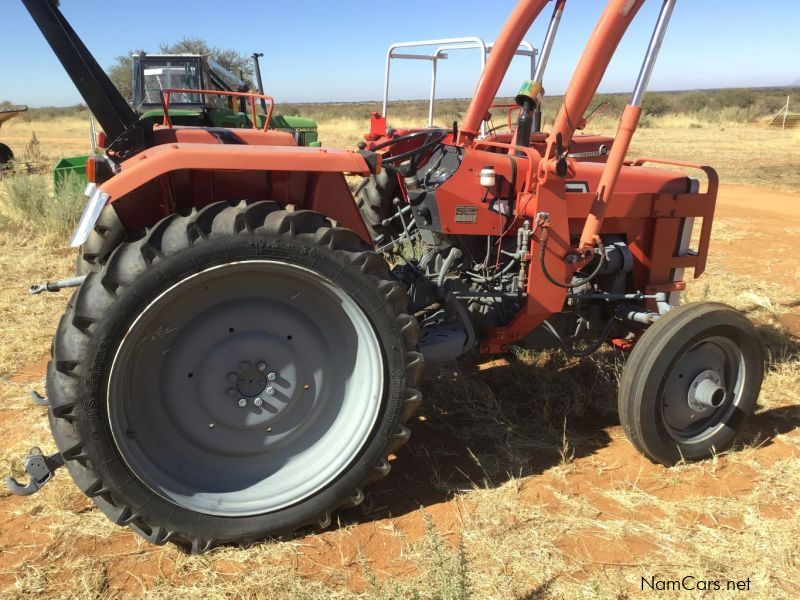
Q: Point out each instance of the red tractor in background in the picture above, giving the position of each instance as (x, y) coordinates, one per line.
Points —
(241, 358)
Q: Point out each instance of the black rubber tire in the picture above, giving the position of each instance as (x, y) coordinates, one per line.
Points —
(375, 196)
(108, 233)
(643, 378)
(6, 155)
(103, 309)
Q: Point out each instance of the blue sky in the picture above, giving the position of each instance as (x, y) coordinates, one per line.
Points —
(334, 50)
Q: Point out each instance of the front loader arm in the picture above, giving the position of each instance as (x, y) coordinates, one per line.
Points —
(497, 65)
(97, 90)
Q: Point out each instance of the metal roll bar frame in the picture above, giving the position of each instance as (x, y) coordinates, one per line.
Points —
(443, 46)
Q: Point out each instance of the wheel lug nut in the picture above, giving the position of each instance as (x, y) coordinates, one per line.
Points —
(231, 392)
(232, 377)
(243, 402)
(262, 366)
(270, 391)
(258, 402)
(272, 376)
(245, 365)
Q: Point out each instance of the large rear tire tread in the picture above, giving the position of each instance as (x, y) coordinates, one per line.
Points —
(70, 377)
(108, 233)
(374, 197)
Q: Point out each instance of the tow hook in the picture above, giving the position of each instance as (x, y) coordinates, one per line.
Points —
(40, 469)
(57, 286)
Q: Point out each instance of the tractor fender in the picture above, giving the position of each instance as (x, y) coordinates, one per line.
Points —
(171, 177)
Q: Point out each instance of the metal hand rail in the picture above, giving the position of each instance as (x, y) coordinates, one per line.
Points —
(166, 96)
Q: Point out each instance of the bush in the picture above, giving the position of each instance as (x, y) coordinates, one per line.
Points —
(29, 197)
(655, 105)
(735, 98)
(65, 209)
(694, 101)
(33, 150)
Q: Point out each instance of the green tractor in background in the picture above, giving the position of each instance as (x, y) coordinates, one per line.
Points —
(153, 73)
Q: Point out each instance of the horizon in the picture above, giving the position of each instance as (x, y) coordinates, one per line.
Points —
(315, 62)
(795, 86)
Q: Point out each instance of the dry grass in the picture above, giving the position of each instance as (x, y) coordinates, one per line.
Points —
(528, 486)
(747, 153)
(65, 136)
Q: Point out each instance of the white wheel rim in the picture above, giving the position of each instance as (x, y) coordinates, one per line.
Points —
(198, 447)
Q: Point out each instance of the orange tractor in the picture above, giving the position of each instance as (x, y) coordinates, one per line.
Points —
(241, 358)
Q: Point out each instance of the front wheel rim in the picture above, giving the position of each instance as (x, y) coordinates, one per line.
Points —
(702, 389)
(245, 388)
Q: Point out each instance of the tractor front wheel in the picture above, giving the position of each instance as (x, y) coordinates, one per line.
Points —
(237, 373)
(691, 382)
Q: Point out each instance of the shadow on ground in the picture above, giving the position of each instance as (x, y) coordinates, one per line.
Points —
(482, 423)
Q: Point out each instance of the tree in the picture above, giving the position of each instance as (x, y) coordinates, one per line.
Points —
(655, 104)
(694, 101)
(121, 74)
(236, 63)
(735, 98)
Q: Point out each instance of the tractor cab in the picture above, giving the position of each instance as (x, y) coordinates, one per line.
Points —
(153, 74)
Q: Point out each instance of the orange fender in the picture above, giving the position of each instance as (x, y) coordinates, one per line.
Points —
(172, 177)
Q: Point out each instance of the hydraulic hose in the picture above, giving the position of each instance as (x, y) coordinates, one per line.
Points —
(543, 238)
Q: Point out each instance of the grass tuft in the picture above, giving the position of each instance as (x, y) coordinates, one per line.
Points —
(447, 567)
(34, 208)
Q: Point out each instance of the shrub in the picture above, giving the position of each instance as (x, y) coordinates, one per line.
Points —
(655, 105)
(65, 209)
(694, 101)
(33, 150)
(29, 197)
(735, 98)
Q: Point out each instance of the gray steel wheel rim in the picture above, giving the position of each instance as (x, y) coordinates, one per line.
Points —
(186, 437)
(718, 354)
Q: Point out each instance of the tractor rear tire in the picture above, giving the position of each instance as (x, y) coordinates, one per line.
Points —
(6, 155)
(691, 382)
(375, 197)
(108, 233)
(239, 372)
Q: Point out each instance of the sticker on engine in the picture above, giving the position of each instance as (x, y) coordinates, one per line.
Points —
(466, 214)
(500, 206)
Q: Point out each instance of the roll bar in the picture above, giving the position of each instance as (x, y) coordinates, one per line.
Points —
(443, 46)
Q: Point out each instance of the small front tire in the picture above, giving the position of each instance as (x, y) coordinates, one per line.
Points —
(691, 382)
